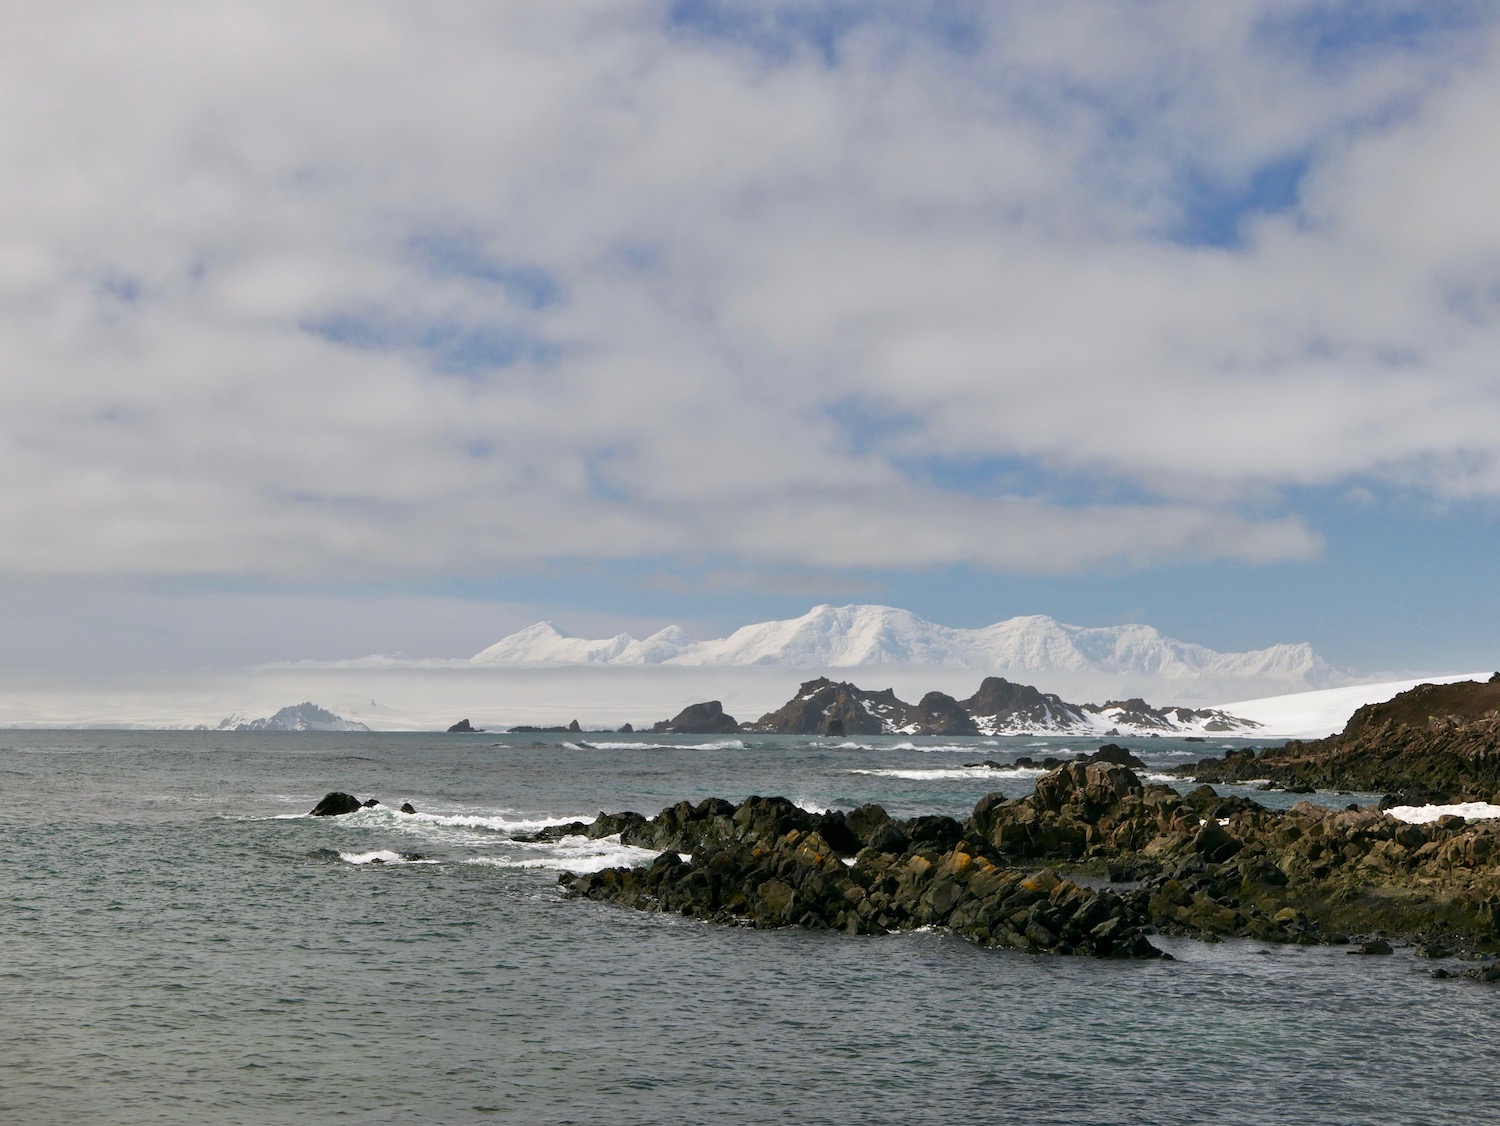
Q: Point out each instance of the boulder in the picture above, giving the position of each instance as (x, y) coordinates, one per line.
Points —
(407, 807)
(463, 727)
(1120, 756)
(335, 804)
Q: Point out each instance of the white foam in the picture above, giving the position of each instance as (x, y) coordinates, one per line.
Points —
(968, 773)
(510, 821)
(1426, 814)
(574, 854)
(720, 745)
(810, 806)
(380, 856)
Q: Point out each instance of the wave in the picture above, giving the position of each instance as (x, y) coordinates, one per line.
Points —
(1426, 814)
(968, 773)
(573, 854)
(383, 856)
(511, 822)
(720, 745)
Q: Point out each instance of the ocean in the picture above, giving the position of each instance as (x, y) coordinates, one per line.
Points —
(179, 942)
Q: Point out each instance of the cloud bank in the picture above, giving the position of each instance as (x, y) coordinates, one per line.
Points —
(385, 291)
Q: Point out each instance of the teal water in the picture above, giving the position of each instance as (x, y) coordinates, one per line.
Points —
(180, 943)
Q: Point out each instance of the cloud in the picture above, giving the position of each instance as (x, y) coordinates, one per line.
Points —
(366, 291)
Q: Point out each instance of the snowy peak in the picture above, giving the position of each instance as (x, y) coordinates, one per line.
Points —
(305, 716)
(545, 644)
(829, 637)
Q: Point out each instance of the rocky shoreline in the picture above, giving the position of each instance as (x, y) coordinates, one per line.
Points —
(1092, 863)
(1435, 743)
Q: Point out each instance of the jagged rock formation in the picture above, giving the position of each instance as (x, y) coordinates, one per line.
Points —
(698, 719)
(1199, 865)
(464, 727)
(823, 707)
(1001, 705)
(822, 703)
(1436, 742)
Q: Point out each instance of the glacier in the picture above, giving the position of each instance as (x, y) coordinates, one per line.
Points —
(830, 637)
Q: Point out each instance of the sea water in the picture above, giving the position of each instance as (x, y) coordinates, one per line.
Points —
(179, 942)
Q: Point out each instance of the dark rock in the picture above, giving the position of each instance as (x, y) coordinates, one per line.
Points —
(573, 727)
(821, 703)
(699, 719)
(1374, 946)
(1202, 865)
(1000, 703)
(766, 874)
(1429, 744)
(407, 807)
(463, 727)
(1120, 756)
(627, 729)
(865, 819)
(371, 803)
(834, 728)
(887, 837)
(940, 714)
(336, 804)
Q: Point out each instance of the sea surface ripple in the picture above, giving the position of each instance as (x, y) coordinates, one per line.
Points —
(180, 943)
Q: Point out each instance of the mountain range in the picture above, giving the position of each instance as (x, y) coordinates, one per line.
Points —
(854, 636)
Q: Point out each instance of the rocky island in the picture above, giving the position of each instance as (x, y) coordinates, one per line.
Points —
(999, 707)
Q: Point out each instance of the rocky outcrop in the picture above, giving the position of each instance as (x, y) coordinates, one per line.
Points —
(1120, 756)
(698, 719)
(823, 706)
(1140, 716)
(571, 728)
(940, 714)
(464, 727)
(1002, 705)
(336, 804)
(1200, 865)
(767, 863)
(826, 707)
(1436, 742)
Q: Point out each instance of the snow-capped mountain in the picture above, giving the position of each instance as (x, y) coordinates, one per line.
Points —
(305, 716)
(854, 636)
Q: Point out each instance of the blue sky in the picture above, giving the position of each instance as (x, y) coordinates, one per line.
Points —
(365, 329)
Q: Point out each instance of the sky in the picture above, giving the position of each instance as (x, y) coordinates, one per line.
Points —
(377, 327)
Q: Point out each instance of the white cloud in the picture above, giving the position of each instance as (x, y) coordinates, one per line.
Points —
(977, 241)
